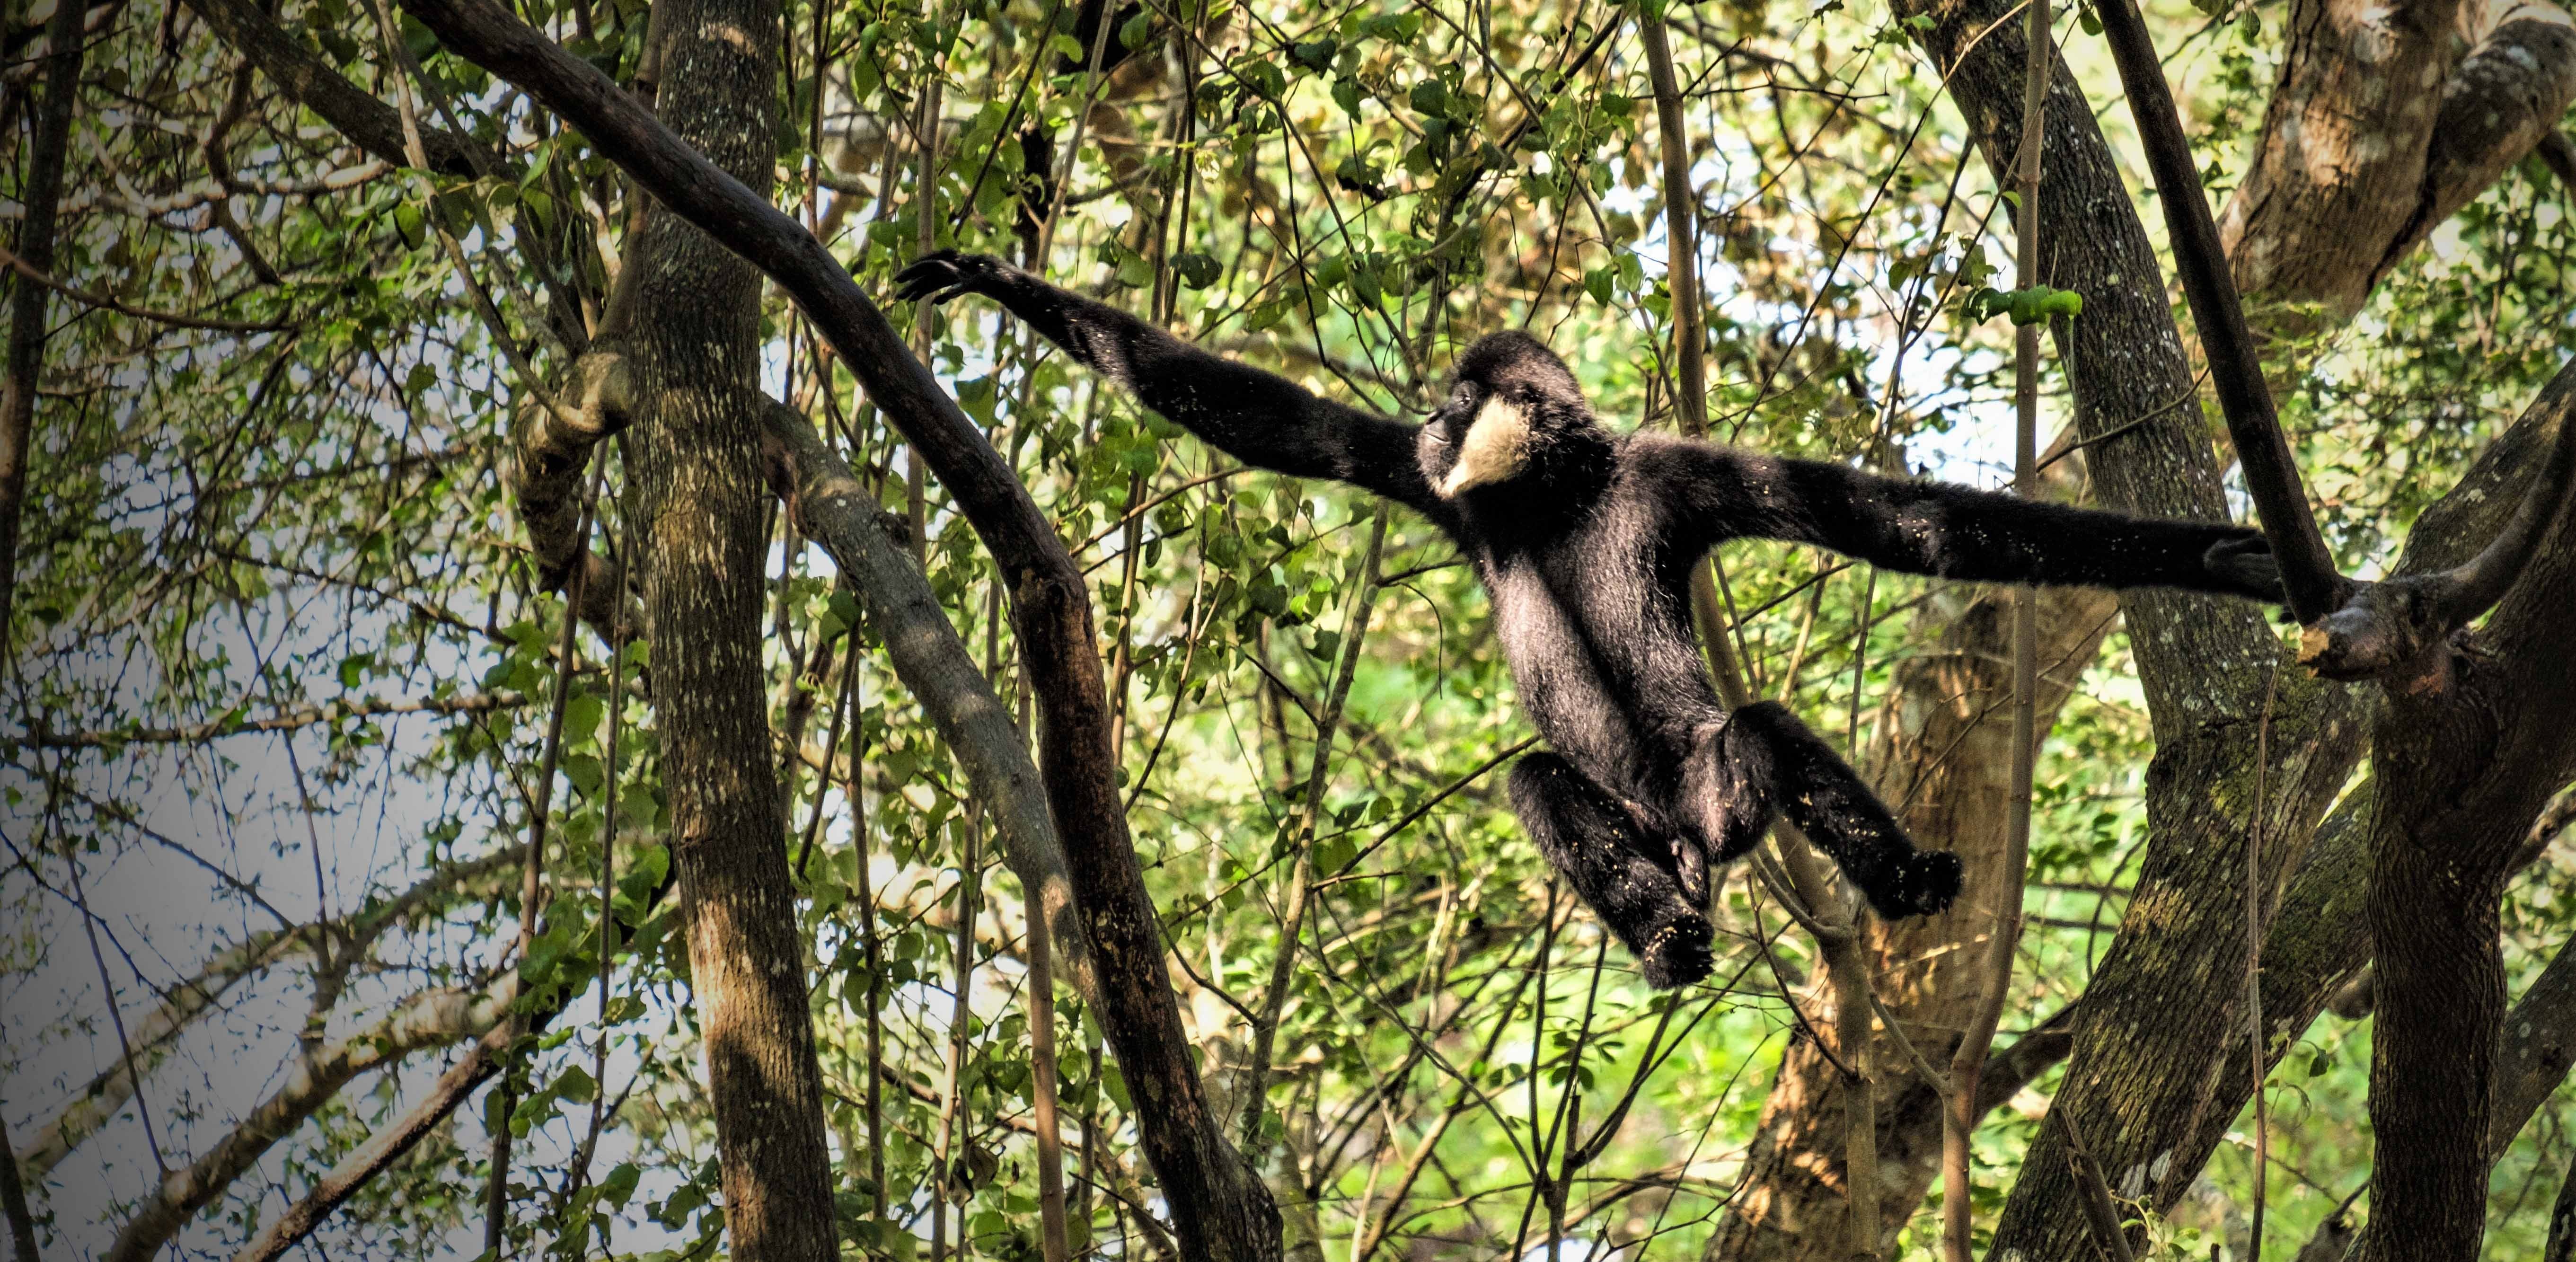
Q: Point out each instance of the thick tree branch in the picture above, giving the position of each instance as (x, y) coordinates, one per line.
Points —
(2235, 365)
(2355, 631)
(368, 123)
(2503, 102)
(553, 447)
(1218, 1203)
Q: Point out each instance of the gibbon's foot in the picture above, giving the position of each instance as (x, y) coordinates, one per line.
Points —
(1920, 884)
(1677, 954)
(943, 275)
(1627, 879)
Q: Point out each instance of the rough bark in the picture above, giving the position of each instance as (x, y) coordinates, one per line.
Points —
(2466, 759)
(1218, 1204)
(2142, 1052)
(42, 193)
(698, 494)
(552, 450)
(2383, 124)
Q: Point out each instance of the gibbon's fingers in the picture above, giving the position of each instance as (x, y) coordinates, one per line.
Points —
(940, 276)
(2249, 566)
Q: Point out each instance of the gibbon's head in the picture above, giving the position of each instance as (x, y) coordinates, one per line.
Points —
(1511, 410)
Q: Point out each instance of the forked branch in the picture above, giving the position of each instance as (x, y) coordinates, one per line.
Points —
(2391, 629)
(2387, 630)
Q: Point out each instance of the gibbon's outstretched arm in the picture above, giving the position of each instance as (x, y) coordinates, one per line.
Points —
(1942, 529)
(1256, 417)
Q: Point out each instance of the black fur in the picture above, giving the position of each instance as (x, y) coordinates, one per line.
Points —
(1586, 550)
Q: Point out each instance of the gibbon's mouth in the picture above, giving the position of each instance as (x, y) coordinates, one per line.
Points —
(1495, 449)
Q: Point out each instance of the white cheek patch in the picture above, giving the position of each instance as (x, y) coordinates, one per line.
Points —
(1496, 448)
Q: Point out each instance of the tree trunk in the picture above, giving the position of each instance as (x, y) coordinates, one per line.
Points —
(42, 192)
(2383, 124)
(2466, 754)
(700, 501)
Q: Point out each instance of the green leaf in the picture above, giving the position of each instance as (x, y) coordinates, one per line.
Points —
(1346, 93)
(1315, 55)
(1196, 270)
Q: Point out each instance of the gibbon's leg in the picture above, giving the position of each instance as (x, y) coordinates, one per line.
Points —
(1762, 758)
(1621, 874)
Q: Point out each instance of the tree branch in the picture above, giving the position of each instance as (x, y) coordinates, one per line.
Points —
(283, 720)
(1218, 1203)
(828, 506)
(2235, 366)
(2355, 631)
(429, 1020)
(369, 123)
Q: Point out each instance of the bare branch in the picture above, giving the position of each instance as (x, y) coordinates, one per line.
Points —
(381, 1150)
(829, 507)
(425, 1021)
(2308, 571)
(281, 721)
(105, 302)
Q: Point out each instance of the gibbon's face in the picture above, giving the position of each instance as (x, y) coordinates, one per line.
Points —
(1509, 400)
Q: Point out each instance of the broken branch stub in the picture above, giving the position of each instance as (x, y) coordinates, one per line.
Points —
(2393, 630)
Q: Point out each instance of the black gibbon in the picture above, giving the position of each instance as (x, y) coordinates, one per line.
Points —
(1584, 540)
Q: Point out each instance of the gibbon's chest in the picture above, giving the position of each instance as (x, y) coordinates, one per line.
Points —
(1571, 600)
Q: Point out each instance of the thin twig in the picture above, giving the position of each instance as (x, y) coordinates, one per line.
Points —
(1968, 1060)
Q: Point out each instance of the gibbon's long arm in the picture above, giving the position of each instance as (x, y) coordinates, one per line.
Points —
(1254, 416)
(1714, 493)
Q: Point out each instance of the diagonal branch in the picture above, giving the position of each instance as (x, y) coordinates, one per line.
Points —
(2355, 630)
(2235, 366)
(828, 506)
(1218, 1203)
(430, 1020)
(185, 1003)
(369, 123)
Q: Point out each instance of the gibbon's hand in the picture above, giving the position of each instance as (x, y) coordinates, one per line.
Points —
(942, 275)
(2247, 565)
